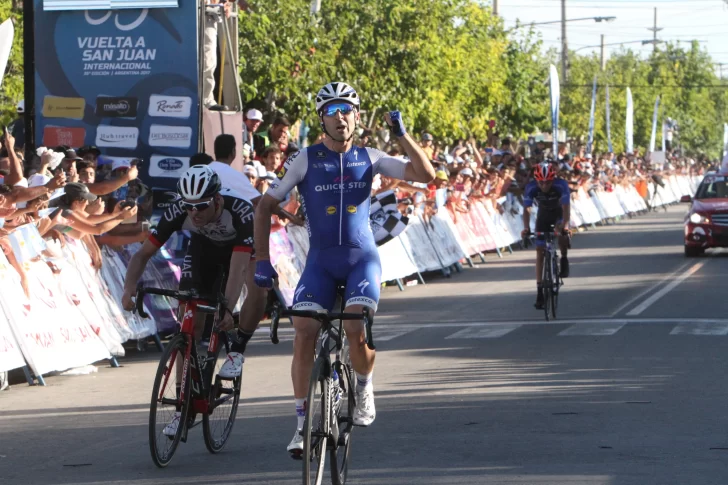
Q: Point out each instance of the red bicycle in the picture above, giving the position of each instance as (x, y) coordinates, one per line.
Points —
(187, 383)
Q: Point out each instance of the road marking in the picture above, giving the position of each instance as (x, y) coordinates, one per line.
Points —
(382, 334)
(491, 331)
(644, 293)
(664, 291)
(593, 328)
(700, 328)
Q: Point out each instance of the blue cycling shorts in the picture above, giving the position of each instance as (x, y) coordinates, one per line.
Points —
(358, 269)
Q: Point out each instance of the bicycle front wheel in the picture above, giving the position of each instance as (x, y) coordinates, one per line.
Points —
(166, 402)
(223, 399)
(547, 283)
(316, 425)
(555, 279)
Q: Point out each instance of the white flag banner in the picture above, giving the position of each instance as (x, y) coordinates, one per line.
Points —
(609, 125)
(664, 136)
(590, 141)
(654, 124)
(555, 93)
(629, 121)
(7, 33)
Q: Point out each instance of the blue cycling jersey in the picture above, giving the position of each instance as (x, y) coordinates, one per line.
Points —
(557, 196)
(336, 189)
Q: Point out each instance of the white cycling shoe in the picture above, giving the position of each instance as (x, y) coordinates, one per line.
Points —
(171, 429)
(365, 412)
(233, 366)
(295, 447)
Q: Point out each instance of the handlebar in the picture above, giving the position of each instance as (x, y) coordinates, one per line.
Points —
(182, 296)
(322, 316)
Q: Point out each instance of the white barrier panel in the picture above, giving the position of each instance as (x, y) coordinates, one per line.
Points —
(396, 261)
(444, 240)
(10, 355)
(419, 246)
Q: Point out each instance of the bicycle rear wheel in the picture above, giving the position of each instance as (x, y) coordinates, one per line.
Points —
(224, 397)
(547, 283)
(166, 402)
(316, 425)
(345, 417)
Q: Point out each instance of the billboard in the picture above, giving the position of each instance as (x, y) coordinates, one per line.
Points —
(123, 80)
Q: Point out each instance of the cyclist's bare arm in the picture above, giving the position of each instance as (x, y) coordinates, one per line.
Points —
(136, 266)
(527, 218)
(265, 209)
(419, 169)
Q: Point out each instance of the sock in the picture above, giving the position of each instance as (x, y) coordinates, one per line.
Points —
(539, 288)
(300, 412)
(241, 342)
(364, 381)
(564, 253)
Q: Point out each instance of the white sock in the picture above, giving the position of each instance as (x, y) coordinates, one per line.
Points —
(364, 381)
(300, 412)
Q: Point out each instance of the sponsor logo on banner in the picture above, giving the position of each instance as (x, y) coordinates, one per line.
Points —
(170, 136)
(116, 107)
(117, 136)
(170, 106)
(166, 166)
(63, 135)
(61, 107)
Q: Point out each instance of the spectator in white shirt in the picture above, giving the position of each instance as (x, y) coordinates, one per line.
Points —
(225, 152)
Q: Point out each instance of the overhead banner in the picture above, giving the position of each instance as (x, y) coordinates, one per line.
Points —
(629, 121)
(609, 125)
(654, 124)
(123, 80)
(554, 95)
(590, 141)
(6, 44)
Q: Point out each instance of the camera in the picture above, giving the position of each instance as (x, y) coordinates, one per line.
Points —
(128, 203)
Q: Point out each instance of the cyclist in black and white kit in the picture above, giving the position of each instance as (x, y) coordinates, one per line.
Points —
(221, 224)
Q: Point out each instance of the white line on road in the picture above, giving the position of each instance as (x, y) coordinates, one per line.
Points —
(664, 291)
(593, 328)
(642, 294)
(690, 328)
(491, 331)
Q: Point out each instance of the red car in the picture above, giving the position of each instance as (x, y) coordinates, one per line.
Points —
(706, 225)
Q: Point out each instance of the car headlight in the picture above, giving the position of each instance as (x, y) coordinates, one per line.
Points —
(696, 218)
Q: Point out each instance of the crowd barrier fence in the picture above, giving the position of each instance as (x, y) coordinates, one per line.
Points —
(72, 316)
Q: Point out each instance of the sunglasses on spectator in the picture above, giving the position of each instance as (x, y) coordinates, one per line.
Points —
(344, 108)
(196, 206)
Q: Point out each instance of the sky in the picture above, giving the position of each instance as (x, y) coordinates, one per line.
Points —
(681, 20)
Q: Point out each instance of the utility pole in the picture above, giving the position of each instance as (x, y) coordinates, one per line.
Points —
(655, 29)
(602, 59)
(564, 47)
(495, 7)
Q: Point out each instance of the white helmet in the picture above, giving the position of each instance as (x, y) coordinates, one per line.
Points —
(198, 183)
(336, 92)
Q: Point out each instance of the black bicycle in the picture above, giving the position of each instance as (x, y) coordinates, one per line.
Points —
(551, 280)
(329, 419)
(188, 382)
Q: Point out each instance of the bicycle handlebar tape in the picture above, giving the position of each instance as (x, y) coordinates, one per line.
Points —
(274, 319)
(368, 322)
(140, 303)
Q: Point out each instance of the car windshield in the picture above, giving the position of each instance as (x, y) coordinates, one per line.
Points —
(712, 187)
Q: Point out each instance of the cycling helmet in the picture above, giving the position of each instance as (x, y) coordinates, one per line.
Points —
(544, 171)
(336, 92)
(198, 183)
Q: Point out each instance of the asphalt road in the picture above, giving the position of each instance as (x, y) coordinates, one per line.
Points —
(472, 386)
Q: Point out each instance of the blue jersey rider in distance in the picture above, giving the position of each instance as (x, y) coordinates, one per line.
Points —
(334, 179)
(553, 197)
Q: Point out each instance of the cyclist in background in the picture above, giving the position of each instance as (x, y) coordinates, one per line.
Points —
(553, 198)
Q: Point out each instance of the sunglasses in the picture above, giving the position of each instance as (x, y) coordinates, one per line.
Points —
(196, 206)
(344, 108)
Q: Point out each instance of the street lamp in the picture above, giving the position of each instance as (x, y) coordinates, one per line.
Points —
(595, 19)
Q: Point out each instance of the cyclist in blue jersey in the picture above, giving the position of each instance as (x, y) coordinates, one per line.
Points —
(553, 198)
(334, 179)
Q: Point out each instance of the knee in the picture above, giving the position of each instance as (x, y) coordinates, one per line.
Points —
(306, 331)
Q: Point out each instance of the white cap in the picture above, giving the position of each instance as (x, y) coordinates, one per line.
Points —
(588, 156)
(262, 172)
(466, 172)
(123, 163)
(254, 114)
(38, 179)
(21, 106)
(250, 170)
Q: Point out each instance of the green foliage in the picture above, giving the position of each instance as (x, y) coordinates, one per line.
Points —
(11, 90)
